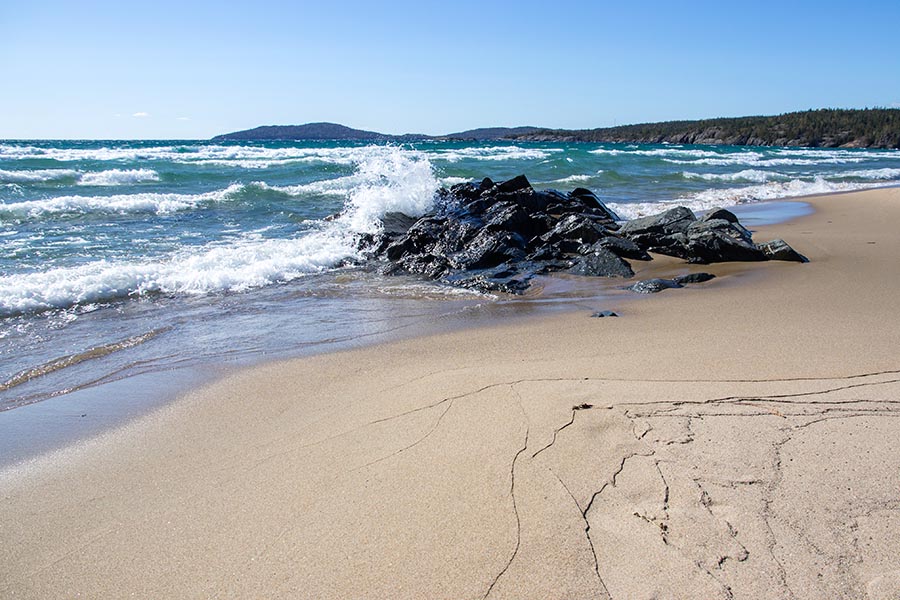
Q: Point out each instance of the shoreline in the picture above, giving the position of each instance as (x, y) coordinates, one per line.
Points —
(78, 415)
(738, 440)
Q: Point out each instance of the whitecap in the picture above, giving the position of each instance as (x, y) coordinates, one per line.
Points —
(36, 175)
(493, 153)
(750, 175)
(575, 179)
(117, 204)
(118, 177)
(879, 174)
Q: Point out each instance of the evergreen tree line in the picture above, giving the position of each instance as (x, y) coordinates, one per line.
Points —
(826, 128)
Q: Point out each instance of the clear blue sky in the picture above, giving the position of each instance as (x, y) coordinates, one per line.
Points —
(163, 69)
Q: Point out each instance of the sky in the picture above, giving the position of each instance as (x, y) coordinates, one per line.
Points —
(191, 70)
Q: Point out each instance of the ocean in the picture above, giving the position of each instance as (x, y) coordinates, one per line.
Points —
(131, 258)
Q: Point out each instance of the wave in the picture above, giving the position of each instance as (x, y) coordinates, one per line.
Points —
(878, 174)
(451, 181)
(775, 191)
(392, 181)
(758, 158)
(117, 204)
(37, 175)
(101, 178)
(713, 198)
(672, 151)
(493, 153)
(750, 175)
(761, 161)
(213, 154)
(118, 177)
(576, 178)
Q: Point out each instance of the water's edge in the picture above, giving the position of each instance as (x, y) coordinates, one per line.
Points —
(32, 430)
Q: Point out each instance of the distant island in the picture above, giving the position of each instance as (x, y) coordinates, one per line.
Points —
(333, 131)
(823, 128)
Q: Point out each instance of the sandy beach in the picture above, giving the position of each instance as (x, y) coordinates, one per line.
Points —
(733, 439)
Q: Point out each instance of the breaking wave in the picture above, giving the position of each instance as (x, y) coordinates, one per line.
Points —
(750, 175)
(575, 179)
(493, 153)
(118, 177)
(117, 204)
(392, 180)
(37, 175)
(713, 198)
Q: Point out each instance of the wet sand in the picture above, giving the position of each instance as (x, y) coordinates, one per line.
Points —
(731, 439)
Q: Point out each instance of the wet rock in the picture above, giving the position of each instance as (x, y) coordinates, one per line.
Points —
(663, 233)
(693, 278)
(720, 213)
(619, 246)
(572, 232)
(423, 234)
(652, 286)
(719, 240)
(674, 220)
(780, 250)
(496, 236)
(503, 279)
(601, 263)
(395, 224)
(518, 183)
(489, 249)
(512, 217)
(591, 201)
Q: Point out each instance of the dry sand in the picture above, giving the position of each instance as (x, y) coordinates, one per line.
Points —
(741, 443)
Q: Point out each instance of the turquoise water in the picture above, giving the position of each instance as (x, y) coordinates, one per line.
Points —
(125, 258)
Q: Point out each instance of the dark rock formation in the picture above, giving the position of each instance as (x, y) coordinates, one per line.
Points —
(499, 235)
(604, 313)
(652, 286)
(779, 250)
(694, 278)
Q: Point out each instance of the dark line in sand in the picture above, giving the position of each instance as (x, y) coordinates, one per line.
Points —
(512, 493)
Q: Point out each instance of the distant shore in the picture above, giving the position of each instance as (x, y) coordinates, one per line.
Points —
(730, 440)
(822, 128)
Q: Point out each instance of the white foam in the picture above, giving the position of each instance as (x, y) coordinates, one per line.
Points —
(117, 204)
(493, 153)
(879, 174)
(750, 175)
(394, 180)
(451, 181)
(708, 199)
(761, 161)
(674, 151)
(768, 158)
(250, 157)
(774, 191)
(36, 175)
(118, 177)
(575, 178)
(216, 268)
